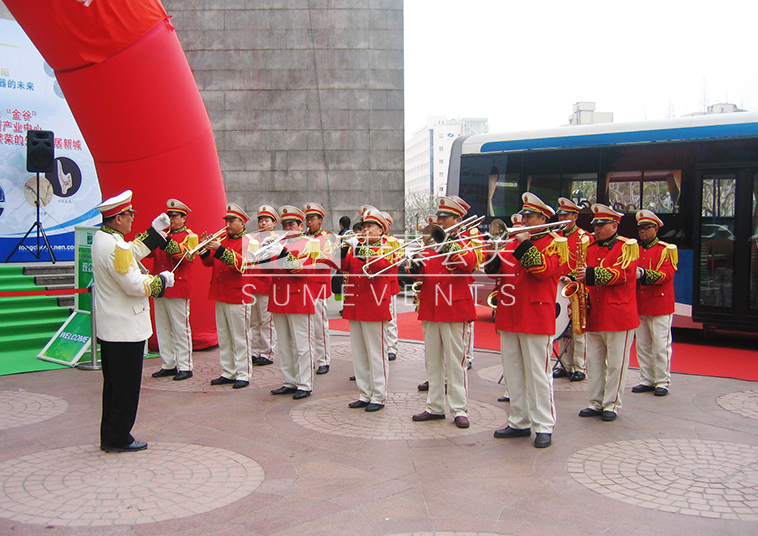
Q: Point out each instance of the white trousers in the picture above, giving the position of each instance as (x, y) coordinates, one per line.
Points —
(468, 341)
(528, 374)
(654, 350)
(172, 327)
(262, 330)
(607, 363)
(295, 333)
(321, 350)
(574, 358)
(369, 360)
(232, 321)
(390, 328)
(445, 359)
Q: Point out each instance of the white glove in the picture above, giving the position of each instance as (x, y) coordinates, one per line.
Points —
(352, 242)
(274, 250)
(161, 223)
(168, 277)
(640, 272)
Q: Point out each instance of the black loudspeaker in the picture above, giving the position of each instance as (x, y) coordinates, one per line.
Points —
(40, 150)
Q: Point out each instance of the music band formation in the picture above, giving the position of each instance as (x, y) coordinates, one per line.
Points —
(271, 287)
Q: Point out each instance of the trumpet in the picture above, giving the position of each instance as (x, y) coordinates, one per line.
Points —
(201, 248)
(351, 235)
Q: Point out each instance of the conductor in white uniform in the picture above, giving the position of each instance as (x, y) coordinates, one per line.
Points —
(122, 315)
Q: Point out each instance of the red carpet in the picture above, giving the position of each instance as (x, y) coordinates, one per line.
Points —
(724, 357)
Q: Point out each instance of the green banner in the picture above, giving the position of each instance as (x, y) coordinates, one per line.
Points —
(83, 264)
(71, 341)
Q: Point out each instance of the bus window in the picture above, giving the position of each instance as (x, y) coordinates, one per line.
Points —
(717, 240)
(754, 248)
(581, 188)
(657, 190)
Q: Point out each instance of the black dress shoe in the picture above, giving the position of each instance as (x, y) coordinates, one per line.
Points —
(608, 416)
(240, 384)
(221, 381)
(642, 388)
(301, 394)
(470, 364)
(577, 376)
(542, 440)
(323, 369)
(423, 386)
(133, 447)
(162, 373)
(560, 373)
(589, 412)
(261, 361)
(504, 399)
(661, 391)
(426, 416)
(513, 432)
(351, 378)
(374, 407)
(357, 404)
(284, 391)
(183, 375)
(391, 356)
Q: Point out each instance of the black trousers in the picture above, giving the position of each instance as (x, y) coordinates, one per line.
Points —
(122, 378)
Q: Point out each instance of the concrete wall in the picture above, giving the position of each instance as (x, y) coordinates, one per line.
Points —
(305, 98)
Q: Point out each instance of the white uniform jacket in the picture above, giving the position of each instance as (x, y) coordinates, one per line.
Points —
(122, 308)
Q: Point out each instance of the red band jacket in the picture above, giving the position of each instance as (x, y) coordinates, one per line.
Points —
(229, 267)
(367, 299)
(528, 276)
(655, 290)
(446, 285)
(611, 284)
(321, 274)
(292, 292)
(167, 257)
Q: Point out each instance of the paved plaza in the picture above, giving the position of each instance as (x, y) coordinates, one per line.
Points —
(245, 462)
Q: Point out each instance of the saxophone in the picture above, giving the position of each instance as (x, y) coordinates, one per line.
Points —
(576, 291)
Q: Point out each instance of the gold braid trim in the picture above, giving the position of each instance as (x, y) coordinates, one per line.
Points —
(630, 251)
(172, 247)
(531, 258)
(559, 246)
(292, 263)
(671, 253)
(141, 236)
(652, 277)
(155, 286)
(602, 275)
(227, 257)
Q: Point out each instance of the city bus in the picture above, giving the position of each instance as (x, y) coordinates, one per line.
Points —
(699, 174)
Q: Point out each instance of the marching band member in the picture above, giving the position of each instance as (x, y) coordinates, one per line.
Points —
(122, 311)
(172, 311)
(321, 283)
(292, 302)
(610, 278)
(445, 307)
(367, 307)
(528, 273)
(573, 358)
(655, 305)
(262, 329)
(390, 332)
(227, 258)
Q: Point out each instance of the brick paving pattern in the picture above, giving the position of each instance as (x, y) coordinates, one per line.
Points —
(406, 351)
(743, 403)
(710, 479)
(83, 486)
(22, 408)
(204, 370)
(332, 416)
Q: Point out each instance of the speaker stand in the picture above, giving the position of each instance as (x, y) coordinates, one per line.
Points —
(40, 232)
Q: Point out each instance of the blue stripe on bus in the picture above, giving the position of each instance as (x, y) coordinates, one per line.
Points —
(615, 138)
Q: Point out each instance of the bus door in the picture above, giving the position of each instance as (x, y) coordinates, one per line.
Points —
(725, 293)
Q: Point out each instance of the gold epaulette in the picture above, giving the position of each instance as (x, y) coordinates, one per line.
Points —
(559, 246)
(670, 252)
(190, 241)
(630, 251)
(312, 249)
(123, 258)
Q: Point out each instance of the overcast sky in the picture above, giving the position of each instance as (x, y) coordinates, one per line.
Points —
(523, 64)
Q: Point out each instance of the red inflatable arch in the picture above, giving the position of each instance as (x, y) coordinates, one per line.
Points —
(130, 88)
